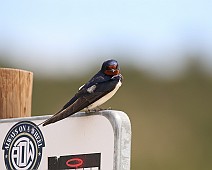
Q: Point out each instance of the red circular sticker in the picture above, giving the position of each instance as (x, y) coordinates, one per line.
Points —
(74, 162)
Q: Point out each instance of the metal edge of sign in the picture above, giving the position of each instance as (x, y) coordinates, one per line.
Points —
(122, 133)
(122, 144)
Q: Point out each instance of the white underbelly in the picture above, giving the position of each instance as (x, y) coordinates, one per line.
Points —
(104, 98)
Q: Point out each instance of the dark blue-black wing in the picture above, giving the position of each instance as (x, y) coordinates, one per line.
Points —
(83, 99)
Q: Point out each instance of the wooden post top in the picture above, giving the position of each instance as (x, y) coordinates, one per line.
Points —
(15, 93)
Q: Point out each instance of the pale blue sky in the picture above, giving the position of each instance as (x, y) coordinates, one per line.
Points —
(66, 34)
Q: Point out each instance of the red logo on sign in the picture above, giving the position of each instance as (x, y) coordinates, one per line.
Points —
(74, 162)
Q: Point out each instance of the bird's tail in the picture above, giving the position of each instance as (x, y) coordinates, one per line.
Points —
(57, 116)
(46, 122)
(53, 119)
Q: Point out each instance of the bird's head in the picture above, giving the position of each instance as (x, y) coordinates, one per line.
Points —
(110, 67)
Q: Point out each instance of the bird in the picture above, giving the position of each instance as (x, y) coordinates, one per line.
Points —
(100, 88)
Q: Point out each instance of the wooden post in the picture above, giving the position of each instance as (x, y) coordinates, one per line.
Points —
(15, 93)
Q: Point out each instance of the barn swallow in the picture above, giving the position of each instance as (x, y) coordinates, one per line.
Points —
(100, 88)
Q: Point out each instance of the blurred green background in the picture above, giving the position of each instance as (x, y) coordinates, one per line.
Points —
(171, 118)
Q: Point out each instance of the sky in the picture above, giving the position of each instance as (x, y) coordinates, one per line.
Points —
(57, 37)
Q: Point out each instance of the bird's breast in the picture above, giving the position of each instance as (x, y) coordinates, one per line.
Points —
(104, 98)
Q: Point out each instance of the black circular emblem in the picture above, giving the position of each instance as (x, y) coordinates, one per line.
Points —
(23, 146)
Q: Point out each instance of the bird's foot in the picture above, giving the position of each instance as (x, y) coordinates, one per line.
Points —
(91, 110)
(88, 111)
(97, 109)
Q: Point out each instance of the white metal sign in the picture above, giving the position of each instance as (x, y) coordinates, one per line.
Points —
(94, 141)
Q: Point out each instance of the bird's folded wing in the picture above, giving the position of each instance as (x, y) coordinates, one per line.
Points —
(84, 99)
